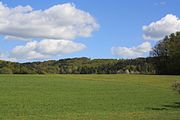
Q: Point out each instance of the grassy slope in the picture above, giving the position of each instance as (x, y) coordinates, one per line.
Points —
(88, 97)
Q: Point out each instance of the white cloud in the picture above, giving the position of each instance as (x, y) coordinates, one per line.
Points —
(48, 33)
(63, 21)
(159, 29)
(133, 52)
(45, 49)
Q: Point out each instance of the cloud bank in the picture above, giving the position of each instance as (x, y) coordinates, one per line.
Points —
(62, 21)
(55, 28)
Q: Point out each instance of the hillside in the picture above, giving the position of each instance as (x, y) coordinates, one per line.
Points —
(80, 66)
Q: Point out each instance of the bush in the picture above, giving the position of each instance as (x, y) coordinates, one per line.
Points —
(176, 86)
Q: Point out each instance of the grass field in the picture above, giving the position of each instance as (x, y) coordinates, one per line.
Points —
(88, 97)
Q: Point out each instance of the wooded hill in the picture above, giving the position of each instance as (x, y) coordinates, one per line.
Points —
(80, 66)
(165, 59)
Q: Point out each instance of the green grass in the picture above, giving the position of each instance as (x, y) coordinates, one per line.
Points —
(88, 97)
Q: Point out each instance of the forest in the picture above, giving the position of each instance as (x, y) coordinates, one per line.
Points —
(164, 59)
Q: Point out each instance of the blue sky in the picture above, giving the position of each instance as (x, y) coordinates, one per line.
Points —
(121, 26)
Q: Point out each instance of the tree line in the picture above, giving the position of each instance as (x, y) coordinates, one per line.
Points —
(80, 66)
(164, 59)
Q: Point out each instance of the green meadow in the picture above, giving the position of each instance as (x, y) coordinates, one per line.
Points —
(88, 97)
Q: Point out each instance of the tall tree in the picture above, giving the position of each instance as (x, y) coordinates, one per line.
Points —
(167, 54)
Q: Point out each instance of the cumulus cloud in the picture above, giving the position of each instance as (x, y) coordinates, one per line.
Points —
(159, 29)
(48, 33)
(45, 49)
(63, 21)
(133, 52)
